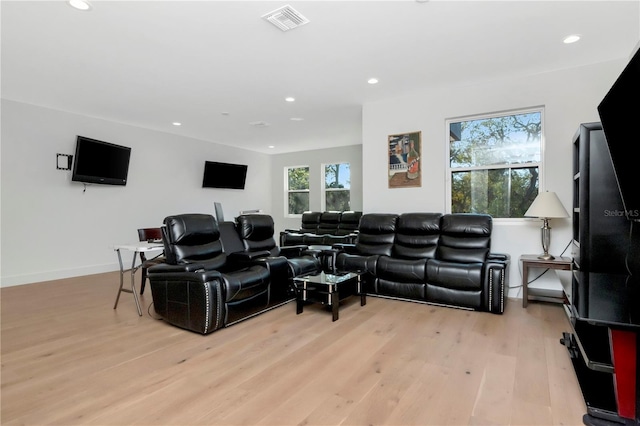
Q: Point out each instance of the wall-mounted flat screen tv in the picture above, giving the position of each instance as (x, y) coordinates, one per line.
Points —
(100, 162)
(224, 175)
(619, 112)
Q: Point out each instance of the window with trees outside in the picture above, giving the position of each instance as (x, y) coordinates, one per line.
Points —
(337, 187)
(494, 163)
(297, 190)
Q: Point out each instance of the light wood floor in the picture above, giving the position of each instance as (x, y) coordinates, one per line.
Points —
(69, 358)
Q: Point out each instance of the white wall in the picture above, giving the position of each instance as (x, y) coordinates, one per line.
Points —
(570, 97)
(315, 160)
(52, 228)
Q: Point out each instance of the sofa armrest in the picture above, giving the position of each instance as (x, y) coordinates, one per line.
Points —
(496, 278)
(168, 268)
(279, 281)
(345, 247)
(499, 257)
(293, 251)
(244, 257)
(189, 300)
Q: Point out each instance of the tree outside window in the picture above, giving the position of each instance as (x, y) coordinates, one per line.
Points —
(495, 163)
(337, 187)
(297, 190)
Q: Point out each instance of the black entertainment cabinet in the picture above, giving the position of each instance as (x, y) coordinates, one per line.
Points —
(603, 305)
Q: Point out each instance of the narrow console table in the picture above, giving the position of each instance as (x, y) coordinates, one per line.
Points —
(136, 248)
(532, 261)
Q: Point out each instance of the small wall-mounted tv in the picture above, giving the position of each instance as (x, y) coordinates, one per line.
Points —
(224, 175)
(619, 112)
(100, 162)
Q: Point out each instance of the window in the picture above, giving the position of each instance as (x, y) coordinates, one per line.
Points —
(494, 163)
(297, 184)
(337, 187)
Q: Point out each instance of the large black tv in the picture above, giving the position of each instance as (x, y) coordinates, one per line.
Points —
(619, 112)
(224, 175)
(100, 162)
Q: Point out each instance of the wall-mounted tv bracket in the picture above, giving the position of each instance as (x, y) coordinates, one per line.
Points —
(63, 161)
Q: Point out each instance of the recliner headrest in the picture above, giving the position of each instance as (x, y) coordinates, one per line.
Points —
(255, 227)
(192, 229)
(192, 237)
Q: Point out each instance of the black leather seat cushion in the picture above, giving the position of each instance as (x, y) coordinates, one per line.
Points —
(304, 265)
(460, 276)
(245, 283)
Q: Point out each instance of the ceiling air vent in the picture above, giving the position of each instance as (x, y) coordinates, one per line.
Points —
(286, 18)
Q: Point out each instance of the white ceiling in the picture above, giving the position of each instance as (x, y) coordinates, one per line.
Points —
(217, 66)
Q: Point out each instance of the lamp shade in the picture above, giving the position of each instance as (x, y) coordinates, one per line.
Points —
(546, 205)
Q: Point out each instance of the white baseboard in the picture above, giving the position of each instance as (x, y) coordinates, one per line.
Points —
(36, 277)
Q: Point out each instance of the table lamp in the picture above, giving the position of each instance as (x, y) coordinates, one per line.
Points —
(546, 206)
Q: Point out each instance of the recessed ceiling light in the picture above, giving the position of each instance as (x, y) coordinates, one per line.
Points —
(296, 119)
(571, 39)
(372, 81)
(271, 147)
(177, 123)
(290, 99)
(80, 4)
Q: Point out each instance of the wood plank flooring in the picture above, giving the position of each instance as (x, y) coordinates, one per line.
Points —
(69, 358)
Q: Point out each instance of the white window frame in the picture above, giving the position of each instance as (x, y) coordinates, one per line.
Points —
(287, 191)
(323, 180)
(539, 165)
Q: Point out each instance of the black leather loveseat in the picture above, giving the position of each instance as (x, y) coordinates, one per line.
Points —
(429, 257)
(217, 274)
(323, 228)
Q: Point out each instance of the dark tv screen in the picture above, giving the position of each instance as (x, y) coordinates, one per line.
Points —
(100, 162)
(224, 175)
(619, 112)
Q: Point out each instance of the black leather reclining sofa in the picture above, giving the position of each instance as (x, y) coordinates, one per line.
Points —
(323, 228)
(436, 258)
(217, 274)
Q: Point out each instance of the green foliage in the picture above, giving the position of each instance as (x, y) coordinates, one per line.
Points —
(489, 176)
(337, 177)
(338, 200)
(298, 178)
(298, 202)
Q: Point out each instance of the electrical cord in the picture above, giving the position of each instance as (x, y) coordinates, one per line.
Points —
(519, 287)
(155, 317)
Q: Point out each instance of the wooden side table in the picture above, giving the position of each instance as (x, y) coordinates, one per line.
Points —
(532, 261)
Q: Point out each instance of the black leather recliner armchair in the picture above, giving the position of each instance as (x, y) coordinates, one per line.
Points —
(200, 288)
(278, 266)
(465, 272)
(376, 235)
(256, 231)
(404, 273)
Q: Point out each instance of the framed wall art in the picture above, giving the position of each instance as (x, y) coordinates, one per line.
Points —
(404, 160)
